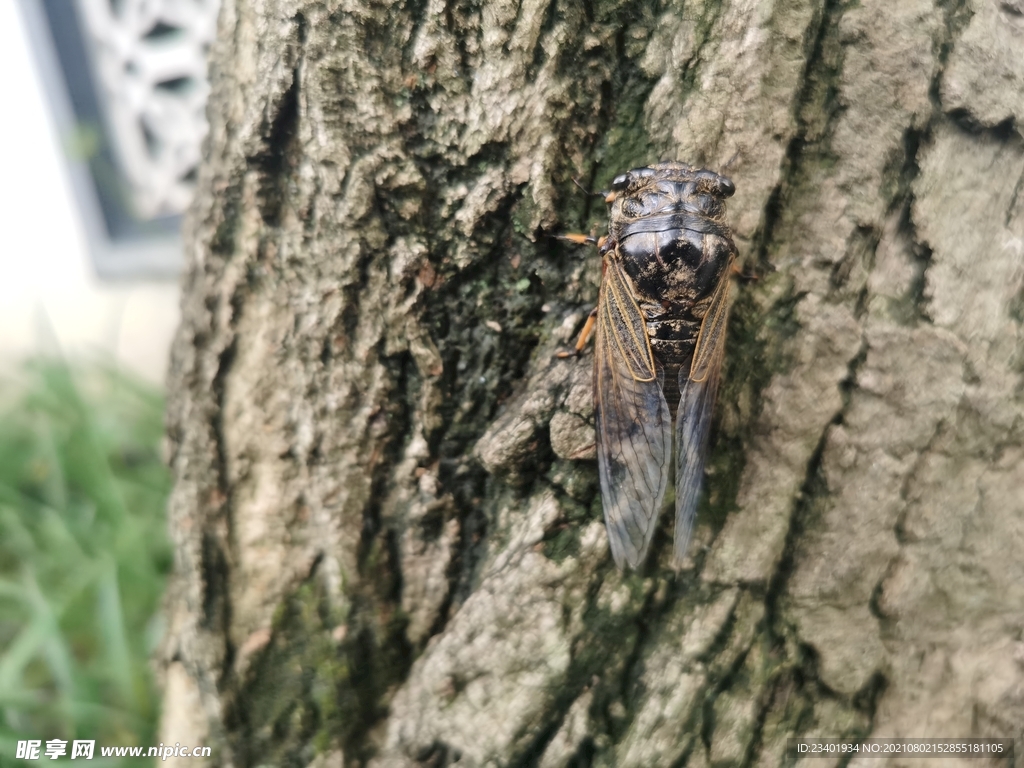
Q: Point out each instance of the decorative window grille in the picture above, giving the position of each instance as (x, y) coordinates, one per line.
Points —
(128, 82)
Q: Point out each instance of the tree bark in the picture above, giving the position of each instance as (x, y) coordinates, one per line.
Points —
(390, 549)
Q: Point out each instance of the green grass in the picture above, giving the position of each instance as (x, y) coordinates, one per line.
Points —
(83, 556)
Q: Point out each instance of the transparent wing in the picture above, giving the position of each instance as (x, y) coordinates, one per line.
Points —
(707, 355)
(634, 426)
(698, 388)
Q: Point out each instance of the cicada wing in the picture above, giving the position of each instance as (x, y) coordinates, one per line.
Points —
(698, 388)
(634, 426)
(707, 355)
(693, 424)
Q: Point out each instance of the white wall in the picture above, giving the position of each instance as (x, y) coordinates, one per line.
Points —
(46, 279)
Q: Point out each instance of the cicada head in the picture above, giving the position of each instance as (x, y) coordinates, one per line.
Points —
(666, 187)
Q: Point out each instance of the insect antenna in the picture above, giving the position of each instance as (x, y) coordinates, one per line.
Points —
(588, 192)
(728, 163)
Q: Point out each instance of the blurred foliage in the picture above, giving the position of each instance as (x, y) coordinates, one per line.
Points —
(83, 555)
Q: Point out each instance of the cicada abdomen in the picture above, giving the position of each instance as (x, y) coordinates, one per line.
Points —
(660, 327)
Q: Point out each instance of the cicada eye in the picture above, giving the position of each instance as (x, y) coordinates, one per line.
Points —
(715, 184)
(620, 182)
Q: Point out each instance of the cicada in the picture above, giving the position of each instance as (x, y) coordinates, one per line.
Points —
(660, 323)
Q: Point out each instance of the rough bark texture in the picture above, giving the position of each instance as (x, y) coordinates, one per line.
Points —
(390, 546)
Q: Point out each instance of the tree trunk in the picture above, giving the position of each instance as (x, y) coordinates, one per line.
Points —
(390, 548)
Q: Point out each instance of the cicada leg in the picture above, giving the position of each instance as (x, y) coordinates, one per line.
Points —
(581, 342)
(588, 327)
(579, 238)
(747, 277)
